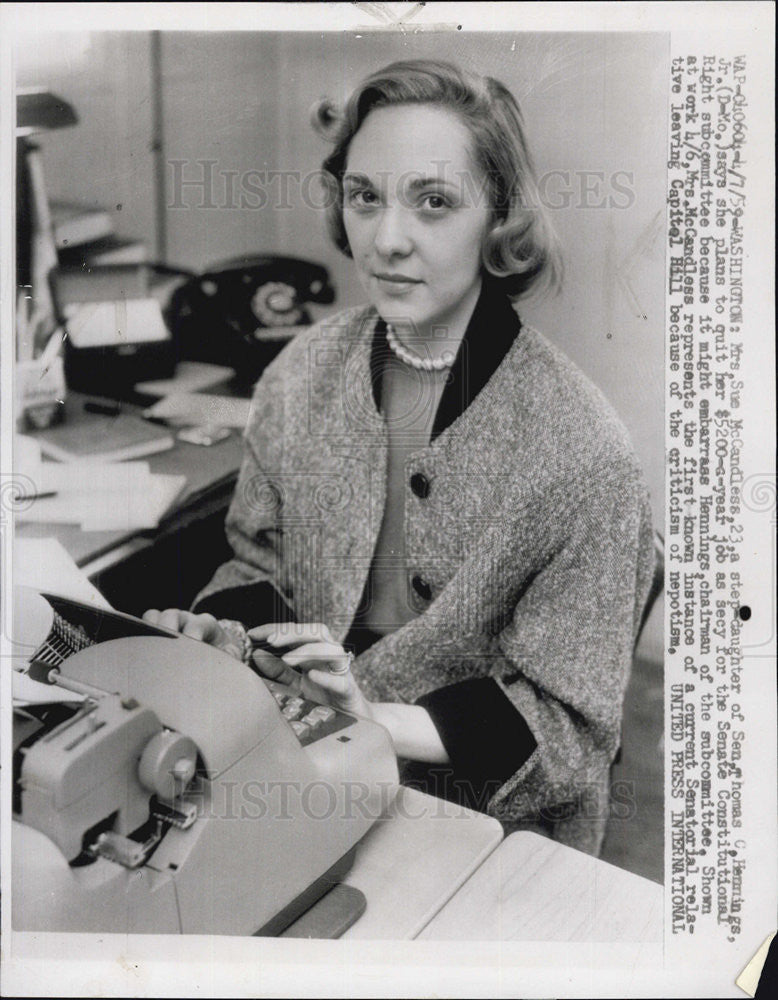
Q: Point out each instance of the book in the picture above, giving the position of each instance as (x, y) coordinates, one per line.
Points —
(108, 250)
(98, 496)
(104, 439)
(101, 283)
(75, 224)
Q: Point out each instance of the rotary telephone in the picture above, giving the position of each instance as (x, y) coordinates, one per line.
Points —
(242, 311)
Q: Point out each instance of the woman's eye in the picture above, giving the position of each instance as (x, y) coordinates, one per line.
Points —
(434, 202)
(362, 198)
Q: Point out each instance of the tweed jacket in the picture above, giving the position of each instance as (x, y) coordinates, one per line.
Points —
(533, 544)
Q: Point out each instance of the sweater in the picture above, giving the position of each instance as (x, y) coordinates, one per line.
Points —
(529, 556)
(409, 399)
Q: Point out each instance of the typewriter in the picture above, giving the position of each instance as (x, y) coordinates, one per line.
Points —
(166, 788)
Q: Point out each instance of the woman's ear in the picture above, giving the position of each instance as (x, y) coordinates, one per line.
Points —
(324, 117)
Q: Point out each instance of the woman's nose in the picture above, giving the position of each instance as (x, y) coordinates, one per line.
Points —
(392, 236)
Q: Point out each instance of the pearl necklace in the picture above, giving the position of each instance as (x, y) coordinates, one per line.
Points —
(410, 357)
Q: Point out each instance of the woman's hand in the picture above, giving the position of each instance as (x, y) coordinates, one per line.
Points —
(312, 650)
(204, 627)
(325, 667)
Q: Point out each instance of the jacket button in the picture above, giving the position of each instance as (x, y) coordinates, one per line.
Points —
(420, 485)
(421, 587)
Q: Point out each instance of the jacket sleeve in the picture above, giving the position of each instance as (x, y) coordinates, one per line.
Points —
(545, 721)
(250, 587)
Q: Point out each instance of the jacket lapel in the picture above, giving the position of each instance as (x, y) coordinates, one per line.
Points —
(350, 451)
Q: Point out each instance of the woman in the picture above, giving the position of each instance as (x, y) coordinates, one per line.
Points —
(432, 485)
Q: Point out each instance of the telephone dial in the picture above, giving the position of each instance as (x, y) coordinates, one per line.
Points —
(241, 312)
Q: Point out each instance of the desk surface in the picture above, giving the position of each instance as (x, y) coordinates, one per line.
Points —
(434, 871)
(207, 470)
(413, 861)
(534, 889)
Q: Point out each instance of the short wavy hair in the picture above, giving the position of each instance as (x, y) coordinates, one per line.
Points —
(520, 248)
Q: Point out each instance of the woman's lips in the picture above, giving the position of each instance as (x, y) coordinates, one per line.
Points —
(396, 283)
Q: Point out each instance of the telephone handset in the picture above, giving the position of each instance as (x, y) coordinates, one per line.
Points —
(242, 311)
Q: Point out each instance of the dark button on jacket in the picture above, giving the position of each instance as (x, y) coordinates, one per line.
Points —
(420, 485)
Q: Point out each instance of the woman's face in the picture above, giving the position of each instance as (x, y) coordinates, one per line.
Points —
(415, 213)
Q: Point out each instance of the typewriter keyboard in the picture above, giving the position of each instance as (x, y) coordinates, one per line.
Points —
(309, 720)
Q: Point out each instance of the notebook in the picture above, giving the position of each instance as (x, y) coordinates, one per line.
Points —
(105, 439)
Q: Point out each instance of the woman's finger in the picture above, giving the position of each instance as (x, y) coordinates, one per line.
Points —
(314, 654)
(339, 685)
(202, 627)
(290, 635)
(274, 669)
(261, 632)
(339, 690)
(171, 618)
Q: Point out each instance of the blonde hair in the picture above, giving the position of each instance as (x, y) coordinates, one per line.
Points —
(521, 248)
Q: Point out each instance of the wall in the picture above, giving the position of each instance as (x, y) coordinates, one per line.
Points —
(106, 159)
(593, 103)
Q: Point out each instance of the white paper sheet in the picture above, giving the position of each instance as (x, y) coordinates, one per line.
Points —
(190, 376)
(126, 321)
(183, 408)
(104, 506)
(42, 563)
(97, 496)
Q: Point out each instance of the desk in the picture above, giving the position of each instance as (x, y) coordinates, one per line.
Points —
(408, 865)
(534, 889)
(115, 560)
(413, 860)
(435, 871)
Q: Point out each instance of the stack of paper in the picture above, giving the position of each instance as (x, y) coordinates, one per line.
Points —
(97, 496)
